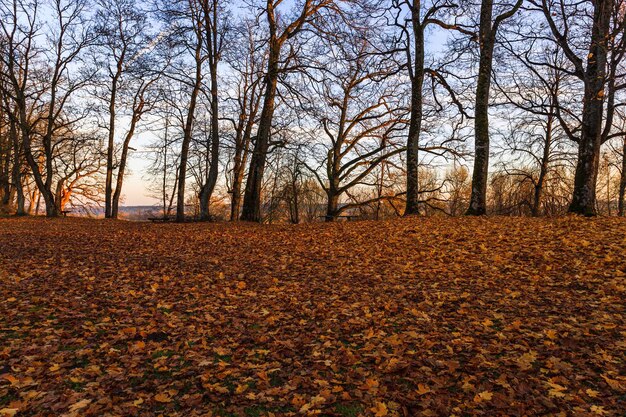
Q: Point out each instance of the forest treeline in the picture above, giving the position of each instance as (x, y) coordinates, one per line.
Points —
(299, 110)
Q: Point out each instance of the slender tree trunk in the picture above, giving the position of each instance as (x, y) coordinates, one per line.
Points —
(252, 198)
(622, 181)
(585, 179)
(122, 164)
(108, 191)
(17, 172)
(415, 122)
(543, 169)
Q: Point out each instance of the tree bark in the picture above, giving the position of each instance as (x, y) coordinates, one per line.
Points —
(415, 122)
(622, 182)
(332, 205)
(487, 39)
(480, 175)
(545, 162)
(123, 158)
(584, 195)
(188, 133)
(108, 191)
(252, 197)
(17, 172)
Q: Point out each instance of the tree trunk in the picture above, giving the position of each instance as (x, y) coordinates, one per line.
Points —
(480, 175)
(332, 205)
(543, 169)
(44, 188)
(188, 133)
(415, 122)
(5, 172)
(622, 181)
(17, 172)
(252, 196)
(108, 189)
(584, 195)
(212, 41)
(122, 165)
(209, 186)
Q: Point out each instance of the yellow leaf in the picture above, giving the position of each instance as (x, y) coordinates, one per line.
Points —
(54, 367)
(138, 402)
(81, 404)
(241, 388)
(12, 380)
(550, 334)
(526, 360)
(163, 398)
(8, 412)
(556, 390)
(129, 331)
(592, 393)
(483, 396)
(241, 285)
(613, 383)
(379, 409)
(468, 386)
(370, 385)
(422, 389)
(598, 409)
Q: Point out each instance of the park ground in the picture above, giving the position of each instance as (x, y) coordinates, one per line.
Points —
(410, 317)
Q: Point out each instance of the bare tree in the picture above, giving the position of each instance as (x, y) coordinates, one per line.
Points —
(281, 29)
(487, 32)
(123, 54)
(591, 35)
(215, 22)
(359, 115)
(247, 65)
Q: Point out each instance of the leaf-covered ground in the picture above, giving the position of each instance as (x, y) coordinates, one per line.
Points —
(410, 317)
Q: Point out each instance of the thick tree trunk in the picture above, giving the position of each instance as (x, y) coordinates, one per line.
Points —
(5, 172)
(622, 181)
(415, 122)
(207, 190)
(235, 203)
(212, 41)
(44, 187)
(252, 197)
(187, 135)
(584, 195)
(480, 175)
(332, 205)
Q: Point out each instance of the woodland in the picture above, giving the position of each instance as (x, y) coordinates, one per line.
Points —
(480, 145)
(306, 110)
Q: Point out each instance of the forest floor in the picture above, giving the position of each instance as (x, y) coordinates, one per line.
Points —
(410, 317)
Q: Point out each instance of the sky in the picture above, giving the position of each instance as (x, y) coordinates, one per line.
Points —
(135, 188)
